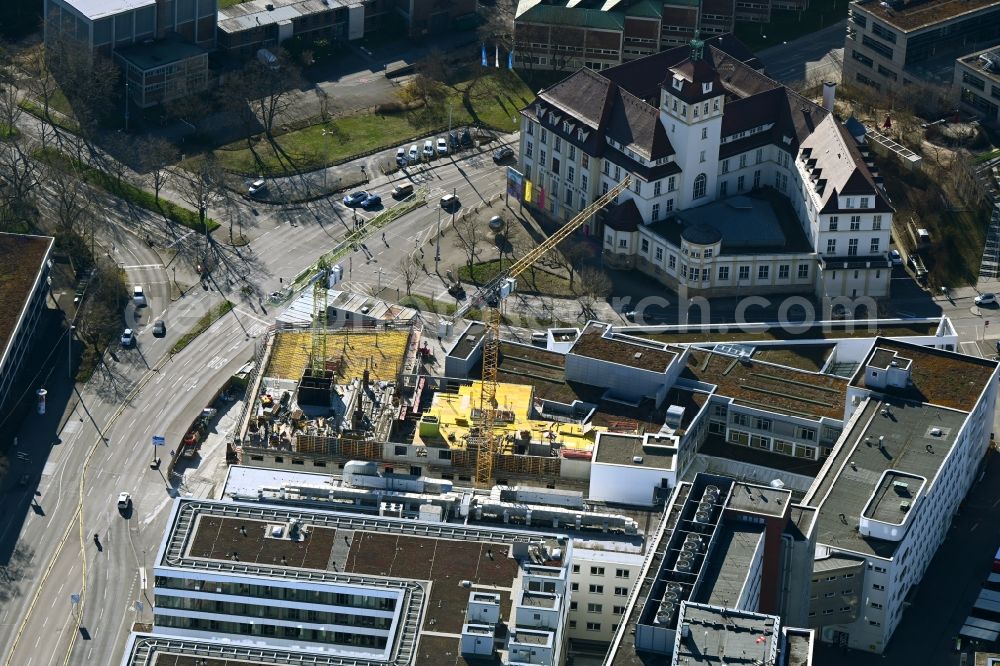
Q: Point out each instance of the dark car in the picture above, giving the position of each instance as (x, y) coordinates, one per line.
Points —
(159, 328)
(355, 198)
(454, 141)
(502, 154)
(372, 201)
(466, 139)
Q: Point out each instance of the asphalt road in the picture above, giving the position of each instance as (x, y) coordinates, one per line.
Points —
(813, 58)
(105, 443)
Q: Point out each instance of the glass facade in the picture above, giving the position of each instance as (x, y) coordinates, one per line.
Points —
(269, 630)
(290, 594)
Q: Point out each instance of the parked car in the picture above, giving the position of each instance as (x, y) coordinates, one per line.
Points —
(466, 139)
(258, 186)
(895, 257)
(159, 328)
(371, 201)
(428, 149)
(414, 155)
(986, 299)
(402, 190)
(454, 141)
(128, 338)
(449, 201)
(138, 296)
(355, 198)
(502, 154)
(442, 146)
(401, 157)
(124, 501)
(496, 223)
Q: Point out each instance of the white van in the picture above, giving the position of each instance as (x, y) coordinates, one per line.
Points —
(449, 201)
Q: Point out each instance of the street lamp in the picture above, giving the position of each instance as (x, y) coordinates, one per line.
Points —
(379, 282)
(437, 253)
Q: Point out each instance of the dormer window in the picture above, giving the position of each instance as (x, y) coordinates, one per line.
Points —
(539, 111)
(677, 83)
(706, 88)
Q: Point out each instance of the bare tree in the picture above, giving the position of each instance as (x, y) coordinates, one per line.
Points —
(100, 319)
(570, 255)
(70, 201)
(472, 238)
(594, 285)
(269, 90)
(10, 110)
(19, 174)
(202, 189)
(156, 156)
(410, 269)
(88, 80)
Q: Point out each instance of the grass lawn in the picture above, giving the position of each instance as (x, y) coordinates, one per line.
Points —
(59, 121)
(787, 25)
(532, 281)
(6, 131)
(228, 3)
(986, 157)
(492, 100)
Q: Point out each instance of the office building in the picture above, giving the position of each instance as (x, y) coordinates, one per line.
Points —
(919, 428)
(24, 272)
(893, 44)
(977, 84)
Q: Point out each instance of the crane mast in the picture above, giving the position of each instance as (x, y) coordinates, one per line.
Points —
(490, 297)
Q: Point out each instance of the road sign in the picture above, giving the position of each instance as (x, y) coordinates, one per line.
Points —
(74, 598)
(158, 440)
(138, 607)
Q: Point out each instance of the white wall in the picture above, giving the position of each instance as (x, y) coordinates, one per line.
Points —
(627, 484)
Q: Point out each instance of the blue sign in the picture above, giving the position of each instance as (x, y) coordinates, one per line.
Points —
(158, 440)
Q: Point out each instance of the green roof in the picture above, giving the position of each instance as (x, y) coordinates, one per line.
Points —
(583, 18)
(645, 9)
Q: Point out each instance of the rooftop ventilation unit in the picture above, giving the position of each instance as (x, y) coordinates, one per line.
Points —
(702, 516)
(684, 563)
(904, 505)
(664, 613)
(712, 493)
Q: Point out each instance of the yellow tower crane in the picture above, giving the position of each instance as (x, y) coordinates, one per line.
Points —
(490, 297)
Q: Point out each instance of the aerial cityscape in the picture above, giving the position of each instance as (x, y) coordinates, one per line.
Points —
(674, 338)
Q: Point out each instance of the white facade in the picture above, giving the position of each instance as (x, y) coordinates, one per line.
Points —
(600, 584)
(845, 253)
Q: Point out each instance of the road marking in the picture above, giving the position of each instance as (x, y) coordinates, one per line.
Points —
(141, 266)
(217, 362)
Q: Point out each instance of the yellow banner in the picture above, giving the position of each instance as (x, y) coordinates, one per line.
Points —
(527, 191)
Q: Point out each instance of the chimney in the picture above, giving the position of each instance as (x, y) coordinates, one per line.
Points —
(829, 93)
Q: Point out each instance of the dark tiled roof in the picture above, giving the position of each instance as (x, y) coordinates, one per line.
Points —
(696, 74)
(623, 217)
(584, 94)
(633, 123)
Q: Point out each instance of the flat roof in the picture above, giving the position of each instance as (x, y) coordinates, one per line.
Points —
(836, 563)
(716, 633)
(97, 9)
(977, 62)
(726, 572)
(763, 500)
(827, 330)
(159, 53)
(810, 358)
(443, 561)
(895, 489)
(254, 13)
(852, 475)
(938, 377)
(738, 219)
(601, 342)
(716, 447)
(22, 261)
(616, 449)
(769, 387)
(916, 15)
(471, 337)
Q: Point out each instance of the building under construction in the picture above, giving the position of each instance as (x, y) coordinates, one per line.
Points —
(326, 392)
